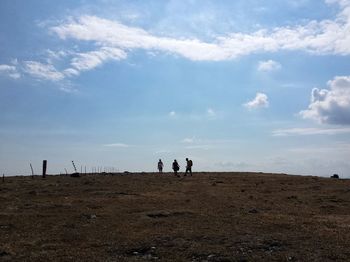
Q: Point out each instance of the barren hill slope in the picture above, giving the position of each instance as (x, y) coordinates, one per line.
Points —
(207, 217)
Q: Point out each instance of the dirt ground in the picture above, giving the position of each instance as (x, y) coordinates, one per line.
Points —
(149, 217)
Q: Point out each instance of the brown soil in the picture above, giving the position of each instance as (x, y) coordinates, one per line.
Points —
(207, 217)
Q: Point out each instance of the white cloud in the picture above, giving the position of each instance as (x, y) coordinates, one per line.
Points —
(7, 68)
(79, 62)
(188, 140)
(260, 101)
(331, 106)
(55, 55)
(319, 37)
(114, 34)
(115, 40)
(10, 71)
(90, 60)
(198, 144)
(340, 2)
(310, 131)
(42, 71)
(269, 65)
(211, 112)
(117, 145)
(172, 113)
(69, 72)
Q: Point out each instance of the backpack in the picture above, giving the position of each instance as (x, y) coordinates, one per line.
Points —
(190, 163)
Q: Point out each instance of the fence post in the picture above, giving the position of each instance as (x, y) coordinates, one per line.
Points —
(31, 168)
(44, 168)
(75, 168)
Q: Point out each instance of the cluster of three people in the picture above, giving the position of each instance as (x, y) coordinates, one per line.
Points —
(176, 167)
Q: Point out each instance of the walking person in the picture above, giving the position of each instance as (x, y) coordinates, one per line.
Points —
(176, 167)
(160, 166)
(189, 165)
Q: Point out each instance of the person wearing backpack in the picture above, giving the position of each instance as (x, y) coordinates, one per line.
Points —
(189, 165)
(176, 167)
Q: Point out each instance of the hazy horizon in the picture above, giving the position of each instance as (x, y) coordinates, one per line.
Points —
(233, 85)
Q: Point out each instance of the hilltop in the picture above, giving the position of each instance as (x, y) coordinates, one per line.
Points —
(207, 217)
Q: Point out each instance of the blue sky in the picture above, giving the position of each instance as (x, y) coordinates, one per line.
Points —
(233, 85)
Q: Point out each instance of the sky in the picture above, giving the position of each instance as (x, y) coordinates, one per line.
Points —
(241, 85)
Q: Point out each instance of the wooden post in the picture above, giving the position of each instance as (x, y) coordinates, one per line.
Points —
(44, 168)
(66, 171)
(31, 168)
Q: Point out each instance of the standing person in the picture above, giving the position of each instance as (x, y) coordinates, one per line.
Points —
(160, 166)
(189, 165)
(176, 167)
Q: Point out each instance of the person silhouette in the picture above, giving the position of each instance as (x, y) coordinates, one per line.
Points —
(176, 167)
(160, 166)
(189, 165)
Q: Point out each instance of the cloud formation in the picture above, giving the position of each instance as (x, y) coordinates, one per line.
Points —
(113, 40)
(43, 71)
(211, 113)
(260, 101)
(122, 145)
(90, 60)
(269, 65)
(310, 131)
(319, 37)
(188, 140)
(10, 71)
(330, 106)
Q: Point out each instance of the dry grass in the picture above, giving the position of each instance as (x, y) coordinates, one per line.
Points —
(208, 217)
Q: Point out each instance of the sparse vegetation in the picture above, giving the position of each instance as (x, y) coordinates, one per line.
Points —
(208, 217)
